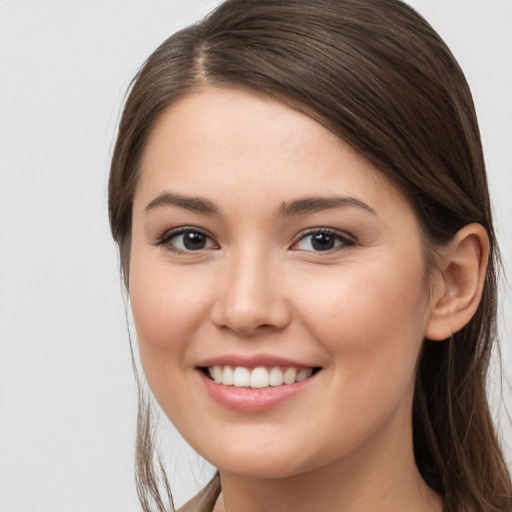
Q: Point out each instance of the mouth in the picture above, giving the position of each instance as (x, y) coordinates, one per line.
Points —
(259, 377)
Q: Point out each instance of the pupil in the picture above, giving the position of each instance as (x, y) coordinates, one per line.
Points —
(322, 242)
(193, 240)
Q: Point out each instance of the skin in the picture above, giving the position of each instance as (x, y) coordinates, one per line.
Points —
(360, 311)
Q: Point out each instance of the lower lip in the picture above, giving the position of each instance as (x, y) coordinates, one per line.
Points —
(251, 399)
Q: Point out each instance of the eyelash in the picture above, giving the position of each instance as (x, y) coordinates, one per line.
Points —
(166, 238)
(343, 239)
(340, 239)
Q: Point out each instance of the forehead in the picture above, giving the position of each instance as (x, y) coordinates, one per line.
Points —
(234, 143)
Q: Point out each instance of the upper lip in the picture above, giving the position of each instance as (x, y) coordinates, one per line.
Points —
(253, 361)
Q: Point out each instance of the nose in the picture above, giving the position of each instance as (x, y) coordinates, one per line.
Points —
(251, 297)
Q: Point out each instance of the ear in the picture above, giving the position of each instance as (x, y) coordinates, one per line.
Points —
(458, 287)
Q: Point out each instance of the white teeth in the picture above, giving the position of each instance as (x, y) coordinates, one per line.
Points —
(241, 377)
(275, 377)
(227, 376)
(216, 374)
(259, 377)
(289, 375)
(303, 374)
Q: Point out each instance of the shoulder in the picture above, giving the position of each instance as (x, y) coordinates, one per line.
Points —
(205, 499)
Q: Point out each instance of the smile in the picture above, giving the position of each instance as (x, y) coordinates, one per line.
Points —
(256, 388)
(259, 377)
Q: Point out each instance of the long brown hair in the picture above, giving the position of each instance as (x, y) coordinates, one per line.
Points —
(376, 74)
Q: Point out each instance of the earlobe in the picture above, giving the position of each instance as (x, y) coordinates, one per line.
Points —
(460, 283)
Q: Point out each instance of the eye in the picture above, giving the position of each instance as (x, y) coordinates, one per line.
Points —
(322, 240)
(187, 239)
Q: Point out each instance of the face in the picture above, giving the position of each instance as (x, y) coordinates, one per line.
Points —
(278, 287)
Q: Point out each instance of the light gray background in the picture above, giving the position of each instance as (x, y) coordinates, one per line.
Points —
(67, 395)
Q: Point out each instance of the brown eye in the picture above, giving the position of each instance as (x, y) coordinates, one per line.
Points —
(194, 241)
(322, 240)
(186, 240)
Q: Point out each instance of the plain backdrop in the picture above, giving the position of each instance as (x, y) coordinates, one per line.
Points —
(67, 394)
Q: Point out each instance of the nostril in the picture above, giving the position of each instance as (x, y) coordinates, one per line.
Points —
(250, 316)
(249, 297)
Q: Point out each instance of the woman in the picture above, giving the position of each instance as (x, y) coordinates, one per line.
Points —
(300, 201)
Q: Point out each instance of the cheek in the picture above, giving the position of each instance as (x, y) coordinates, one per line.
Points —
(372, 319)
(167, 309)
(165, 304)
(371, 326)
(165, 322)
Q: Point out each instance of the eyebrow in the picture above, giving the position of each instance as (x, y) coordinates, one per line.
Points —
(196, 204)
(296, 207)
(315, 204)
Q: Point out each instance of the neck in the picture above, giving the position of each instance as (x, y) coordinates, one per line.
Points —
(382, 475)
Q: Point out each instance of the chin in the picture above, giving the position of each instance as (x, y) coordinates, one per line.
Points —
(263, 468)
(264, 461)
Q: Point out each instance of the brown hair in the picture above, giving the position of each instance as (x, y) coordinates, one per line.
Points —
(377, 75)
